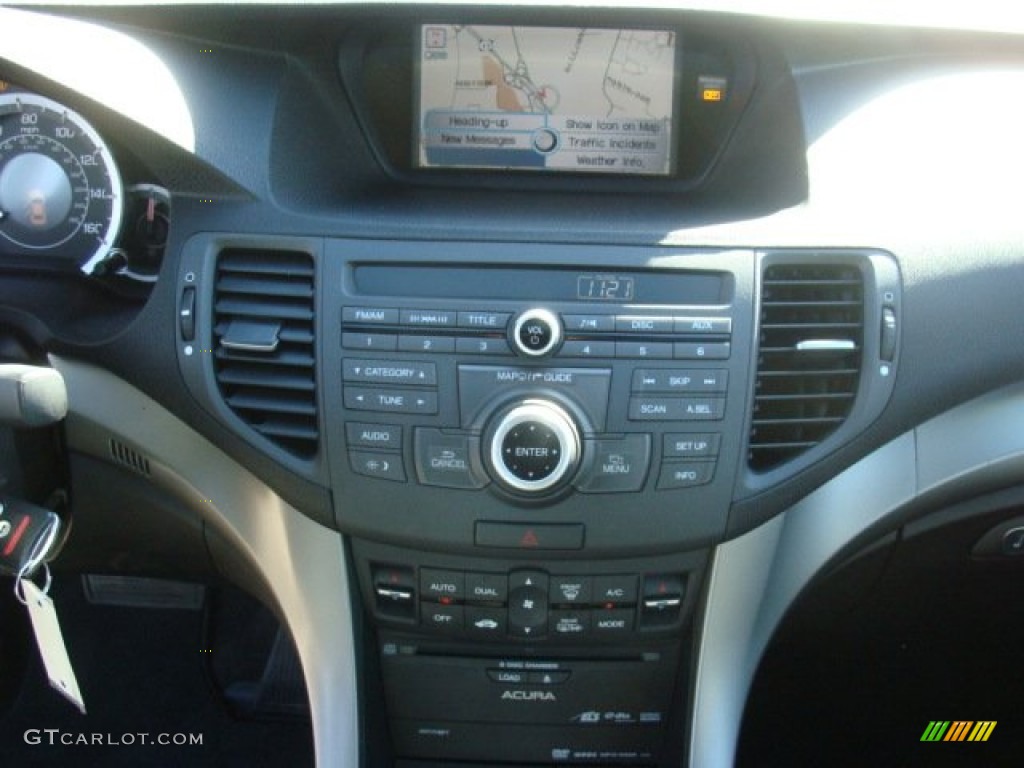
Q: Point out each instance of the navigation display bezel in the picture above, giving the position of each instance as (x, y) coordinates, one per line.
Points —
(377, 61)
(671, 140)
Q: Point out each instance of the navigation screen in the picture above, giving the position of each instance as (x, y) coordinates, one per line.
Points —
(546, 99)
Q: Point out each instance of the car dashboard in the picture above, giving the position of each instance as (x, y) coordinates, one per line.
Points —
(529, 362)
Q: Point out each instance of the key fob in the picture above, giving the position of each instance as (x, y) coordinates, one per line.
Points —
(28, 534)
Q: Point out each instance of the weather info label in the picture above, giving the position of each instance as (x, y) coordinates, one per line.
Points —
(546, 98)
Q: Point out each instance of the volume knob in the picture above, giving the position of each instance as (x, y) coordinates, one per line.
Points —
(536, 333)
(534, 447)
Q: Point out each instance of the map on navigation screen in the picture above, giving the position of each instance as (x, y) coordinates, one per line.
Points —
(546, 99)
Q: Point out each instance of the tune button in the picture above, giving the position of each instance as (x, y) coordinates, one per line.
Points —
(536, 333)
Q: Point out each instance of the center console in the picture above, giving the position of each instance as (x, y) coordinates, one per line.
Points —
(536, 447)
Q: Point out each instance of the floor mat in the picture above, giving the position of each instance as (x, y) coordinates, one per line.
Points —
(148, 698)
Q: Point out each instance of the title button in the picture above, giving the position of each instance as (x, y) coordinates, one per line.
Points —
(494, 321)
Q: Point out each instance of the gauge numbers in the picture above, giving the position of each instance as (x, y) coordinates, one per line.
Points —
(60, 192)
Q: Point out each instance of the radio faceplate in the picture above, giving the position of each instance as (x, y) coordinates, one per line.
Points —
(619, 422)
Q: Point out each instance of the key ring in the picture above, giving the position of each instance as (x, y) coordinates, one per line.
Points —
(19, 590)
(35, 558)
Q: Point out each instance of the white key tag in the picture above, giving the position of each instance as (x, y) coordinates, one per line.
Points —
(49, 639)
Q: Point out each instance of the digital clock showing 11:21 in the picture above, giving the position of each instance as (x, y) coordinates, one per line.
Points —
(605, 288)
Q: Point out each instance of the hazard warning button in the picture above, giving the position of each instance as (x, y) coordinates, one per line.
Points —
(527, 536)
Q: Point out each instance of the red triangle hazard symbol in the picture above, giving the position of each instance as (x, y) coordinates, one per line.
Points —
(529, 539)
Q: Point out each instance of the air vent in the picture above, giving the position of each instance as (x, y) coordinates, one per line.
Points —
(128, 458)
(264, 346)
(809, 358)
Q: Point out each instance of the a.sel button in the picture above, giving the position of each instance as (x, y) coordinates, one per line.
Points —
(685, 474)
(383, 466)
(391, 400)
(676, 408)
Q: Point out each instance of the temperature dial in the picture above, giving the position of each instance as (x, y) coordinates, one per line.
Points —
(534, 447)
(536, 333)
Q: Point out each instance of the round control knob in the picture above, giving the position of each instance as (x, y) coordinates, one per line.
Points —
(536, 333)
(534, 447)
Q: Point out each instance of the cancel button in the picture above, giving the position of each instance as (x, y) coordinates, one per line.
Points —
(447, 460)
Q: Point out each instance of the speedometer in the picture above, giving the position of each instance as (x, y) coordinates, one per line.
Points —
(60, 192)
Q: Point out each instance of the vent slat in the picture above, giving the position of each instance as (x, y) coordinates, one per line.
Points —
(274, 391)
(802, 395)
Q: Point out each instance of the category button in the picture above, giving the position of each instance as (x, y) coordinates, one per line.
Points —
(389, 372)
(383, 466)
(385, 436)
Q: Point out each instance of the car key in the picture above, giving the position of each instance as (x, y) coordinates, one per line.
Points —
(28, 533)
